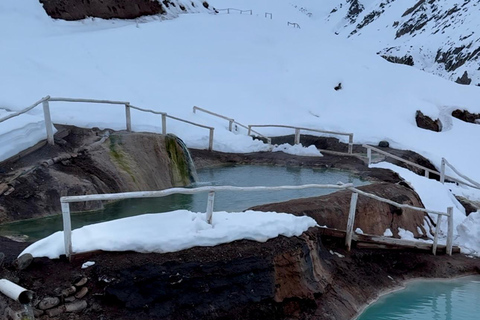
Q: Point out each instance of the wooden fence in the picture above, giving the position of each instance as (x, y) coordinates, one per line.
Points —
(470, 183)
(65, 204)
(49, 125)
(298, 129)
(235, 10)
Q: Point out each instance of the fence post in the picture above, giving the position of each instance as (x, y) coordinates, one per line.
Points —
(128, 117)
(228, 11)
(369, 156)
(297, 136)
(67, 229)
(164, 123)
(48, 122)
(249, 129)
(442, 171)
(210, 140)
(427, 174)
(230, 125)
(351, 220)
(435, 239)
(210, 203)
(350, 144)
(450, 231)
(194, 109)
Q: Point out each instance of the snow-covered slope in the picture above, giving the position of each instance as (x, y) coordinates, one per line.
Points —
(440, 37)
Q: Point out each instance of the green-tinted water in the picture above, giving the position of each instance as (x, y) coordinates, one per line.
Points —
(224, 201)
(429, 300)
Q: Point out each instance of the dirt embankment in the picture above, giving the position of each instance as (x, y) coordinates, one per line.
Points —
(283, 278)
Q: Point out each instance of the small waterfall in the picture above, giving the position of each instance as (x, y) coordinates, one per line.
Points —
(183, 168)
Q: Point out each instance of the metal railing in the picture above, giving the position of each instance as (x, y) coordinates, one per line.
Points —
(298, 129)
(471, 183)
(236, 10)
(231, 122)
(67, 227)
(49, 125)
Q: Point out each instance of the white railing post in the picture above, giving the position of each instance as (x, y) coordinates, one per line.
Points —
(230, 125)
(351, 220)
(249, 129)
(164, 123)
(297, 136)
(48, 122)
(210, 203)
(427, 174)
(350, 144)
(442, 171)
(210, 140)
(67, 229)
(450, 231)
(194, 109)
(437, 231)
(369, 156)
(128, 117)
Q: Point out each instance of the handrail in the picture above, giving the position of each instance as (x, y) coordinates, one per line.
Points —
(231, 121)
(297, 132)
(24, 110)
(66, 200)
(441, 174)
(294, 24)
(49, 125)
(239, 10)
(473, 184)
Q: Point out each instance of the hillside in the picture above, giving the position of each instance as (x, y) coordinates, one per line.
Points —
(439, 37)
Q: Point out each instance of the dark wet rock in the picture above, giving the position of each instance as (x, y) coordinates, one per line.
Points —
(464, 79)
(384, 144)
(68, 291)
(80, 282)
(55, 311)
(48, 303)
(82, 293)
(466, 116)
(23, 262)
(425, 122)
(76, 306)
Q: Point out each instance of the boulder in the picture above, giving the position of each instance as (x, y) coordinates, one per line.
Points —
(425, 122)
(372, 216)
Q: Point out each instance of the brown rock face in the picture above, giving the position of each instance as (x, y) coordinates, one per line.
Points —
(90, 162)
(425, 122)
(372, 216)
(106, 9)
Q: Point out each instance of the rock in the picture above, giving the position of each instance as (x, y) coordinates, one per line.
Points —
(464, 79)
(76, 306)
(372, 216)
(68, 291)
(69, 299)
(81, 282)
(2, 258)
(22, 262)
(425, 122)
(37, 312)
(55, 312)
(48, 303)
(384, 144)
(466, 116)
(80, 294)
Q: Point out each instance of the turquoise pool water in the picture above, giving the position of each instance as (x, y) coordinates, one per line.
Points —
(457, 299)
(224, 201)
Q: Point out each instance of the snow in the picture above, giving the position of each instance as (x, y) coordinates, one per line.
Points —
(246, 67)
(173, 231)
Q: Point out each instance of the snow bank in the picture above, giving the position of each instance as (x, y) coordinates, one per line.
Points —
(173, 231)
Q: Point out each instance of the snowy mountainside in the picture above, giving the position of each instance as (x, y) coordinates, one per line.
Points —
(437, 36)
